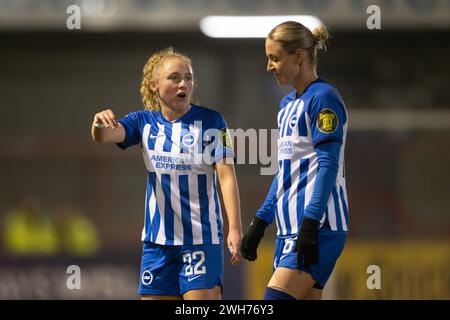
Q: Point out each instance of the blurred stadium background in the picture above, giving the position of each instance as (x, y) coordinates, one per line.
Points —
(67, 201)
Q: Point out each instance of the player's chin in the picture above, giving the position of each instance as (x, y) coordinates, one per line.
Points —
(285, 82)
(281, 80)
(181, 103)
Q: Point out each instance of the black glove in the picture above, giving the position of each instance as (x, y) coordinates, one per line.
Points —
(307, 243)
(252, 237)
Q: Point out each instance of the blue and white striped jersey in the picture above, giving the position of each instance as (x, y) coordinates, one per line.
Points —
(316, 116)
(181, 202)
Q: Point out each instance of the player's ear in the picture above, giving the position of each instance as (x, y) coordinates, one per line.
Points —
(299, 55)
(153, 85)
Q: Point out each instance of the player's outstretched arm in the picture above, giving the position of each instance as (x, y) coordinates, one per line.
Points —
(230, 194)
(106, 129)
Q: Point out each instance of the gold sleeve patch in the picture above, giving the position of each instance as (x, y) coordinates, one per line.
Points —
(327, 121)
(225, 138)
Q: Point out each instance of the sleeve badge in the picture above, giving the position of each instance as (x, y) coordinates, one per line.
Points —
(327, 121)
(225, 138)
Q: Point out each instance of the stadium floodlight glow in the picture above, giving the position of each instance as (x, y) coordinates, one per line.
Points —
(249, 26)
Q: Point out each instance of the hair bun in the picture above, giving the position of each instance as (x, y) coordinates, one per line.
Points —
(320, 37)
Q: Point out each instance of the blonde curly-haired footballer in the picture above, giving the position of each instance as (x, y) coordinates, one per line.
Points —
(150, 73)
(308, 197)
(182, 237)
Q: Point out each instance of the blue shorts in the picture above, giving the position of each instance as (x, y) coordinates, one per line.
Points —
(174, 270)
(330, 248)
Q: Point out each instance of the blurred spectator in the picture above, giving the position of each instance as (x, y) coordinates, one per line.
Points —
(77, 234)
(28, 231)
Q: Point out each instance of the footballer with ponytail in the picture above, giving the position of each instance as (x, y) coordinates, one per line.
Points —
(307, 197)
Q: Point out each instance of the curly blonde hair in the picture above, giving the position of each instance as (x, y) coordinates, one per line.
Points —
(149, 97)
(293, 35)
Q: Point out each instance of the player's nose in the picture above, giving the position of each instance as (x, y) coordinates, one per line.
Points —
(269, 66)
(182, 83)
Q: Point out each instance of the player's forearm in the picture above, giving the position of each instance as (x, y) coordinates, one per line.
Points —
(267, 209)
(230, 194)
(104, 134)
(328, 157)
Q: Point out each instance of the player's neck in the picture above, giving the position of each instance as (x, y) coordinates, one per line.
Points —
(173, 114)
(304, 80)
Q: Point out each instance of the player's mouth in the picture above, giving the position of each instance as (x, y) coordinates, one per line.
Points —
(181, 95)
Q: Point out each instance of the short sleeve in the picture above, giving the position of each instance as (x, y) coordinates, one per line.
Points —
(327, 117)
(223, 145)
(131, 125)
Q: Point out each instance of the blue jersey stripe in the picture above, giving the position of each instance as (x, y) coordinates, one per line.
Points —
(217, 203)
(156, 218)
(168, 210)
(301, 187)
(152, 137)
(185, 210)
(302, 128)
(286, 187)
(344, 205)
(184, 131)
(204, 211)
(337, 209)
(167, 147)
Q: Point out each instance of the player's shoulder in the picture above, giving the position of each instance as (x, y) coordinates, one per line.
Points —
(143, 115)
(325, 96)
(202, 110)
(322, 89)
(205, 113)
(139, 113)
(322, 93)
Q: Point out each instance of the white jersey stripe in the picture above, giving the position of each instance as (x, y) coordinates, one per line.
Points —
(217, 204)
(145, 154)
(160, 139)
(195, 207)
(176, 206)
(212, 212)
(144, 230)
(280, 195)
(176, 139)
(160, 204)
(332, 214)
